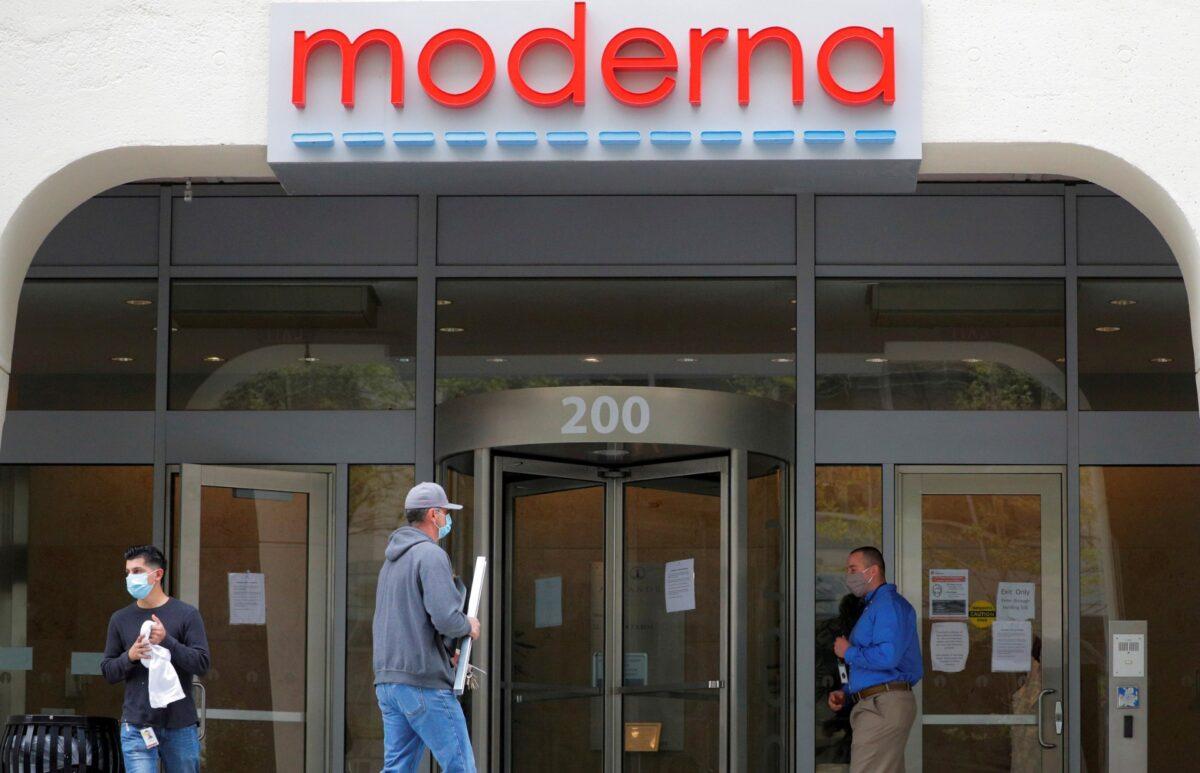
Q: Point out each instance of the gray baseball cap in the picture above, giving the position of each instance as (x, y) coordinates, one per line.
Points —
(426, 495)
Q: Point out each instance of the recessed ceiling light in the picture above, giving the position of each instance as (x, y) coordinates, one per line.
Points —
(450, 329)
(971, 360)
(590, 359)
(138, 302)
(1123, 302)
(782, 359)
(793, 328)
(214, 358)
(686, 359)
(877, 360)
(1108, 329)
(497, 359)
(1162, 360)
(121, 358)
(1060, 359)
(404, 359)
(792, 301)
(444, 302)
(310, 358)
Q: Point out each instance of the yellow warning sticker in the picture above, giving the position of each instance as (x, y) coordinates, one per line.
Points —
(982, 614)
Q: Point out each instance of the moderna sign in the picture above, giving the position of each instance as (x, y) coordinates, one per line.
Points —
(614, 95)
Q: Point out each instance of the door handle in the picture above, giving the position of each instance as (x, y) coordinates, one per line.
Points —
(200, 688)
(1058, 719)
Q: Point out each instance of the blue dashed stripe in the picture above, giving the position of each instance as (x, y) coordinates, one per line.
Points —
(824, 137)
(466, 139)
(313, 139)
(413, 139)
(775, 137)
(567, 138)
(477, 139)
(620, 138)
(522, 139)
(721, 137)
(875, 136)
(670, 138)
(363, 139)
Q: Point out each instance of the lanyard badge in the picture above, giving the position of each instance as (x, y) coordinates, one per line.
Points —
(148, 737)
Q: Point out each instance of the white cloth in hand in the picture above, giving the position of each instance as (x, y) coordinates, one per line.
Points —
(164, 682)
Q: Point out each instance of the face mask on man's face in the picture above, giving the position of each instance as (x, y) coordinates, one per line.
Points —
(444, 529)
(138, 585)
(857, 582)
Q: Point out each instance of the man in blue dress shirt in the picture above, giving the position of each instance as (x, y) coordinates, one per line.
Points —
(884, 659)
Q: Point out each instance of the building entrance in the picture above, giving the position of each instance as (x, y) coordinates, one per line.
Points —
(252, 554)
(981, 549)
(639, 609)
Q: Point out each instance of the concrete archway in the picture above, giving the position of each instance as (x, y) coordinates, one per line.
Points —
(61, 191)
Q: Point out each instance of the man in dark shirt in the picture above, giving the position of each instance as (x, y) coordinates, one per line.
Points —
(150, 735)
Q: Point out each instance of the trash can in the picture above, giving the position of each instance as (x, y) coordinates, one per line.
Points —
(44, 743)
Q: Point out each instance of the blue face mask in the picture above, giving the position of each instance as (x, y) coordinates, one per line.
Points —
(445, 529)
(138, 585)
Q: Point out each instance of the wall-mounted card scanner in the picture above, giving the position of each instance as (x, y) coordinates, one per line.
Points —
(1128, 702)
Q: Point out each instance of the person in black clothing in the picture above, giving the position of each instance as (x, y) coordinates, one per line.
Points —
(837, 727)
(150, 735)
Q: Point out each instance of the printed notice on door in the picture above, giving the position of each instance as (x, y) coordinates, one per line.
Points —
(247, 598)
(1012, 645)
(1014, 601)
(679, 585)
(547, 605)
(949, 644)
(948, 592)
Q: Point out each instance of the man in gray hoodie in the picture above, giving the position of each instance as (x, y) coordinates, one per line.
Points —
(417, 606)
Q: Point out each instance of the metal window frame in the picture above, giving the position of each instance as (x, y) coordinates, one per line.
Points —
(1089, 437)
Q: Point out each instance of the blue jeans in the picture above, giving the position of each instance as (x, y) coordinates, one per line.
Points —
(417, 717)
(179, 750)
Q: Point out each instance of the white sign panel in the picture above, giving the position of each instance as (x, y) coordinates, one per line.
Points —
(949, 645)
(547, 606)
(1016, 601)
(1012, 645)
(679, 585)
(948, 592)
(86, 663)
(16, 658)
(427, 84)
(1129, 655)
(247, 598)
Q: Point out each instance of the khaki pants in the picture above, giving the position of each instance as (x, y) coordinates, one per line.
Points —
(881, 724)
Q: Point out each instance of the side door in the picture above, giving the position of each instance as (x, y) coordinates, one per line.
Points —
(253, 558)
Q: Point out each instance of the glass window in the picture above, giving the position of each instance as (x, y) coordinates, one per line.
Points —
(726, 335)
(940, 345)
(63, 534)
(376, 509)
(849, 515)
(266, 346)
(768, 600)
(84, 346)
(1139, 539)
(1135, 346)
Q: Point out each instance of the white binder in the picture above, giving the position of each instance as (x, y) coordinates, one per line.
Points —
(464, 649)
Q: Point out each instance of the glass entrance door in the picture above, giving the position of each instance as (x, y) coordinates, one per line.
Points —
(981, 549)
(253, 551)
(616, 606)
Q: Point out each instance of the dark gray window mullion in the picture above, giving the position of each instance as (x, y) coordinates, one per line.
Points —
(804, 535)
(426, 334)
(162, 349)
(1073, 683)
